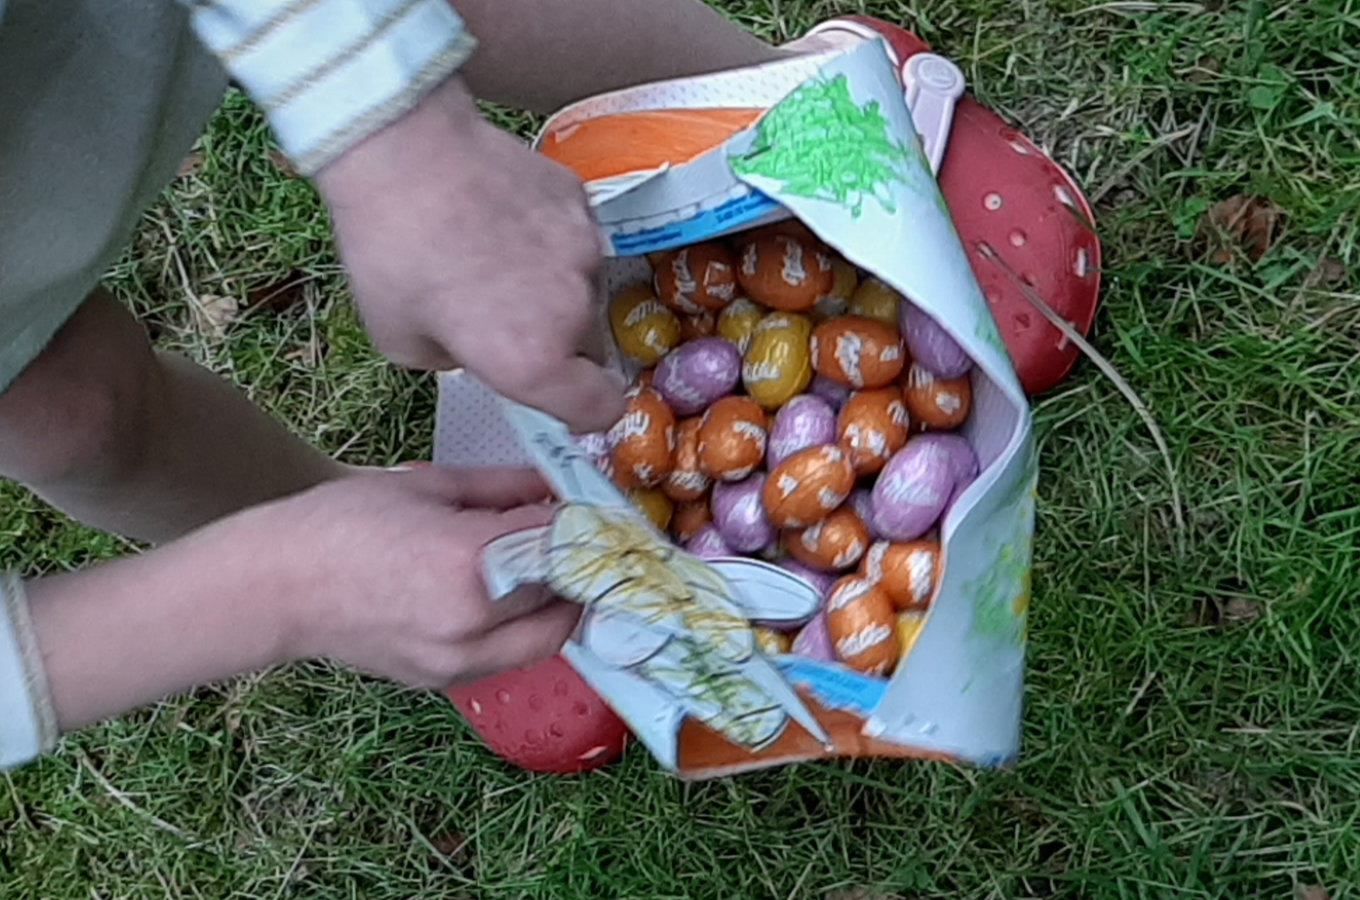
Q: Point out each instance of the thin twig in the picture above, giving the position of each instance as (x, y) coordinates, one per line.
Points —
(127, 803)
(1106, 368)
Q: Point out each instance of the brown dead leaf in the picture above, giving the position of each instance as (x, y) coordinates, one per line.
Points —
(1311, 892)
(283, 164)
(192, 165)
(1240, 222)
(1331, 271)
(1239, 609)
(213, 315)
(452, 848)
(278, 296)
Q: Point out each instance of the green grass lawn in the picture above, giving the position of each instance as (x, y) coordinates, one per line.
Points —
(1193, 694)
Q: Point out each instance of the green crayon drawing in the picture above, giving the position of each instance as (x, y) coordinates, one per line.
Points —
(818, 143)
(1001, 593)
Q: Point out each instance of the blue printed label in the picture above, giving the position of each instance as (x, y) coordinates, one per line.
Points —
(835, 687)
(729, 216)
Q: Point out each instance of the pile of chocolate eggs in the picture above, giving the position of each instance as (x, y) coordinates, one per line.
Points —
(794, 409)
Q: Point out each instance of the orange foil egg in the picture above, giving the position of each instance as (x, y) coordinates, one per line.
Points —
(688, 518)
(872, 427)
(732, 437)
(697, 278)
(807, 486)
(862, 626)
(857, 352)
(686, 480)
(643, 441)
(907, 572)
(833, 544)
(704, 324)
(937, 403)
(783, 272)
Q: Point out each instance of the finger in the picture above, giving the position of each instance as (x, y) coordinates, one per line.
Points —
(489, 488)
(519, 642)
(584, 395)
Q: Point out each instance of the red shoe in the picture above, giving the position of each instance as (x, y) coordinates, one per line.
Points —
(1005, 193)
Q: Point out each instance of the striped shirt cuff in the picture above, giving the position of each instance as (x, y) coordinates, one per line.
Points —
(329, 73)
(28, 724)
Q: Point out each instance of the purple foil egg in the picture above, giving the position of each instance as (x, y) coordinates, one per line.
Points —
(861, 501)
(834, 393)
(695, 374)
(930, 345)
(814, 641)
(707, 543)
(805, 421)
(822, 581)
(912, 490)
(739, 514)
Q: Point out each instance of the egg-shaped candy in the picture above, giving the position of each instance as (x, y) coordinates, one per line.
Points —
(937, 403)
(807, 486)
(836, 301)
(930, 345)
(872, 427)
(912, 490)
(737, 323)
(689, 518)
(834, 544)
(740, 516)
(858, 352)
(783, 272)
(644, 378)
(862, 502)
(909, 627)
(791, 227)
(732, 437)
(820, 580)
(692, 328)
(708, 543)
(834, 393)
(805, 421)
(963, 461)
(771, 642)
(697, 373)
(697, 278)
(595, 445)
(814, 641)
(643, 328)
(908, 572)
(656, 506)
(686, 480)
(873, 299)
(777, 365)
(862, 626)
(643, 441)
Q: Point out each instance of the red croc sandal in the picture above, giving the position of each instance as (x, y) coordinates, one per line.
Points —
(1022, 219)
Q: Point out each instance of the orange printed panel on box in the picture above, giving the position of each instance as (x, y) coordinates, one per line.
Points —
(637, 141)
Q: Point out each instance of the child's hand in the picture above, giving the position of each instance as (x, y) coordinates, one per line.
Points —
(464, 247)
(384, 572)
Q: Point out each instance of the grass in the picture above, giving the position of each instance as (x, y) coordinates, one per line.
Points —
(1192, 714)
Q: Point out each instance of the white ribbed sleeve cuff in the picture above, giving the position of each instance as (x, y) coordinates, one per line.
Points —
(28, 725)
(329, 73)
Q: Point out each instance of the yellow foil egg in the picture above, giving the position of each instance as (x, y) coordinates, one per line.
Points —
(643, 327)
(655, 505)
(777, 365)
(836, 302)
(909, 625)
(738, 322)
(772, 642)
(875, 300)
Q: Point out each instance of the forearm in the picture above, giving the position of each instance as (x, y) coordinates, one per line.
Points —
(120, 635)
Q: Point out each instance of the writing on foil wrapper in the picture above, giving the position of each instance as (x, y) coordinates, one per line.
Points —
(708, 223)
(833, 686)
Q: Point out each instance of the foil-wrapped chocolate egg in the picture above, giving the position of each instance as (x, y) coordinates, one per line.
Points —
(689, 518)
(872, 427)
(732, 436)
(807, 486)
(777, 365)
(857, 352)
(697, 373)
(820, 580)
(643, 328)
(783, 272)
(686, 480)
(708, 543)
(737, 323)
(740, 516)
(937, 403)
(862, 502)
(862, 626)
(697, 278)
(834, 393)
(836, 301)
(656, 506)
(771, 642)
(643, 441)
(814, 641)
(703, 325)
(805, 421)
(930, 345)
(907, 572)
(875, 300)
(912, 490)
(834, 544)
